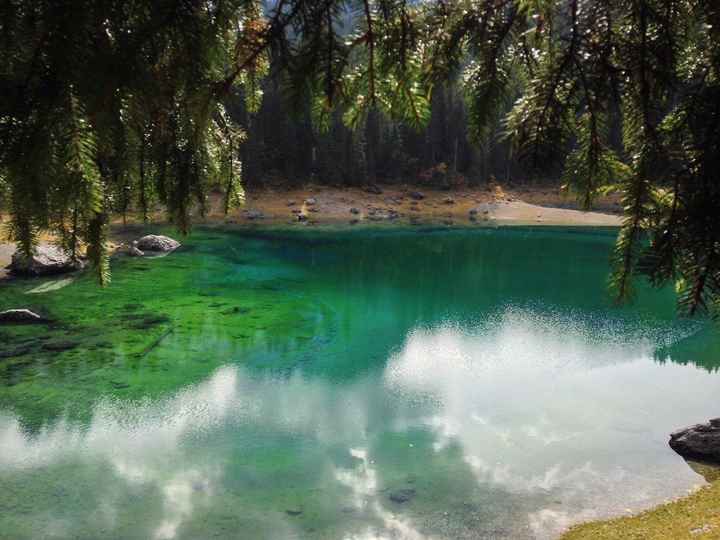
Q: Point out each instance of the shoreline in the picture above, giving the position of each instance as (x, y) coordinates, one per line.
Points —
(692, 516)
(415, 205)
(400, 206)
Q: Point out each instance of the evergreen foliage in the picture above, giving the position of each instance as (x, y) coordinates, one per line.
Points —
(111, 105)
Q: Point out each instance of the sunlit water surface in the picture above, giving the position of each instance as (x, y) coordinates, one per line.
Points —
(360, 385)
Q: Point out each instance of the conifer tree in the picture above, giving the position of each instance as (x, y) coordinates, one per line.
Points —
(110, 103)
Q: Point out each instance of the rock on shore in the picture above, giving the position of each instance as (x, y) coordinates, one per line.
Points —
(701, 441)
(46, 260)
(156, 242)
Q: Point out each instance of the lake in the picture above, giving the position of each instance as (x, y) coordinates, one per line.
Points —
(359, 384)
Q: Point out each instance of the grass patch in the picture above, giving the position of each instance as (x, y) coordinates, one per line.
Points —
(695, 517)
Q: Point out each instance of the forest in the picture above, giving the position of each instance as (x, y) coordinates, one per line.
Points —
(113, 105)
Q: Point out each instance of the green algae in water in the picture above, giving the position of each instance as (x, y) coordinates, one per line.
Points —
(394, 384)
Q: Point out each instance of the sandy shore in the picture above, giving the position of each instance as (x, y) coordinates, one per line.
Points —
(413, 205)
(396, 205)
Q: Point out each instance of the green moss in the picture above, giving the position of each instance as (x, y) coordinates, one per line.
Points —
(696, 516)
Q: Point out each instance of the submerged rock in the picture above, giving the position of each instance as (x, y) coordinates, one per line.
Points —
(18, 350)
(60, 345)
(701, 441)
(144, 321)
(156, 242)
(20, 316)
(53, 285)
(403, 495)
(374, 189)
(46, 260)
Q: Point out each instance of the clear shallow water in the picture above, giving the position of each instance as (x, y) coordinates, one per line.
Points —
(449, 384)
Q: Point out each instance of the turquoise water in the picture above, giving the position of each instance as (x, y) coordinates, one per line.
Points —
(348, 384)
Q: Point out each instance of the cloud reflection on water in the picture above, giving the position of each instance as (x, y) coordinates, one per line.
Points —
(554, 406)
(558, 419)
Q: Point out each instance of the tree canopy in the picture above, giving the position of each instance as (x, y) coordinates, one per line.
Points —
(111, 104)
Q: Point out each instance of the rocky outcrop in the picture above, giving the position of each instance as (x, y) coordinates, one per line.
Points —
(157, 243)
(46, 260)
(20, 316)
(701, 441)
